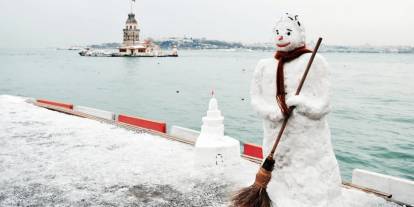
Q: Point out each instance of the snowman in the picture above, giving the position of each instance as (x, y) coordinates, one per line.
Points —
(306, 171)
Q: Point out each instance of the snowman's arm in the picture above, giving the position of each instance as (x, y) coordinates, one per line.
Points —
(313, 100)
(265, 110)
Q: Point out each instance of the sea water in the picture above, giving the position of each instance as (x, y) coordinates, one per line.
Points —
(372, 119)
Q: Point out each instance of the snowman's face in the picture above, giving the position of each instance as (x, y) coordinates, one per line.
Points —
(288, 37)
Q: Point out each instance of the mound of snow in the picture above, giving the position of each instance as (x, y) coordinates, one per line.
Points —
(53, 159)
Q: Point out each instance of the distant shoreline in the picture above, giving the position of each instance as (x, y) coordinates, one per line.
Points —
(205, 44)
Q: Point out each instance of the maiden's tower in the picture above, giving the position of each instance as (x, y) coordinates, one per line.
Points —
(132, 45)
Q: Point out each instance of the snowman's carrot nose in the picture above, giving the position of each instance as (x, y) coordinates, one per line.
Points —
(280, 38)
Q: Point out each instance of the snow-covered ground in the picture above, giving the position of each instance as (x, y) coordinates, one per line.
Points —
(53, 159)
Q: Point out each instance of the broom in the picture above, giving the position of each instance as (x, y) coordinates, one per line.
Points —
(256, 194)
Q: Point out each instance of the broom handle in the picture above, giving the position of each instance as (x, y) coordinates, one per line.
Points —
(302, 81)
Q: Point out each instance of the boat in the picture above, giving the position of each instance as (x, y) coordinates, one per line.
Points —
(95, 53)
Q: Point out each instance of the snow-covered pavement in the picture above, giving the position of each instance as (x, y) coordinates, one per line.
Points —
(53, 159)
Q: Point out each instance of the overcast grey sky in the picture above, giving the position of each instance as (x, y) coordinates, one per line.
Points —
(46, 23)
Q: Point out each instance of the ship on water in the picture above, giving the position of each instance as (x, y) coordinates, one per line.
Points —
(132, 45)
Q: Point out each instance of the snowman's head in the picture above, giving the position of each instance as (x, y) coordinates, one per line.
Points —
(289, 33)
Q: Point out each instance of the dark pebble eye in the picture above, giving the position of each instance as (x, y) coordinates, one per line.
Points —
(288, 33)
(277, 32)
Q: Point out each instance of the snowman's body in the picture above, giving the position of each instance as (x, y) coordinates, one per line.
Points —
(306, 173)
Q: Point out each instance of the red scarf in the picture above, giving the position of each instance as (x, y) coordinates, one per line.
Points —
(285, 57)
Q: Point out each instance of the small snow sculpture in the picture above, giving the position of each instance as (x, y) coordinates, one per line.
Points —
(212, 147)
(306, 171)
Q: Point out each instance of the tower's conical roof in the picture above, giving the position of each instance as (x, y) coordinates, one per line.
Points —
(131, 18)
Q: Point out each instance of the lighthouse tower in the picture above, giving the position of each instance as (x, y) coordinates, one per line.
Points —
(131, 31)
(131, 44)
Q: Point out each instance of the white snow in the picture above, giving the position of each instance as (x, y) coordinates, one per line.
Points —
(306, 171)
(289, 24)
(304, 158)
(212, 148)
(53, 159)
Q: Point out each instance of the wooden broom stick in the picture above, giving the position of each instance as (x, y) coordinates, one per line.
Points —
(302, 81)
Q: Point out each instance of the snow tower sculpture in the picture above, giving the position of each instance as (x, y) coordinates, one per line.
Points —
(212, 148)
(306, 171)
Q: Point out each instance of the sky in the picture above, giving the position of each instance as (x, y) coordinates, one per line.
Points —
(59, 23)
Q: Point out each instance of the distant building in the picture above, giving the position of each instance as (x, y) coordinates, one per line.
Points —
(131, 31)
(132, 44)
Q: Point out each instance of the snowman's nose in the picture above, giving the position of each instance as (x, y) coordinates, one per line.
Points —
(280, 37)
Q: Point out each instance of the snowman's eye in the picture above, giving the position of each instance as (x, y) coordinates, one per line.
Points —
(277, 32)
(288, 32)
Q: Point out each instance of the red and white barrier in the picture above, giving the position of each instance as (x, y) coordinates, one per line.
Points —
(144, 123)
(400, 189)
(55, 103)
(185, 133)
(95, 112)
(252, 150)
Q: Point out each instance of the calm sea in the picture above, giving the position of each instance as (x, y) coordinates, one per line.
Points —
(372, 121)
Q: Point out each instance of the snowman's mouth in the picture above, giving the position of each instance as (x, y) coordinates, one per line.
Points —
(283, 45)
